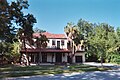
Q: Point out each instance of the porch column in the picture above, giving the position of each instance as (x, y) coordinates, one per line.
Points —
(34, 58)
(64, 57)
(83, 57)
(40, 57)
(74, 59)
(54, 57)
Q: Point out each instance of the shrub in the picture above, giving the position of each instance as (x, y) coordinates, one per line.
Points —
(115, 58)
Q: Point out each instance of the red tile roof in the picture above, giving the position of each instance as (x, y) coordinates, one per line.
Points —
(51, 35)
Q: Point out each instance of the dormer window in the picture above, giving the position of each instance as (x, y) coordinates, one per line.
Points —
(82, 47)
(62, 42)
(53, 42)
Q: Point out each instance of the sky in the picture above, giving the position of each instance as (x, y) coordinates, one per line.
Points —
(53, 15)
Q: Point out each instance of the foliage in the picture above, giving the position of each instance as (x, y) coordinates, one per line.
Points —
(38, 30)
(5, 49)
(15, 52)
(104, 40)
(72, 35)
(41, 41)
(114, 57)
(25, 22)
(12, 16)
(85, 28)
(10, 51)
(100, 40)
(7, 30)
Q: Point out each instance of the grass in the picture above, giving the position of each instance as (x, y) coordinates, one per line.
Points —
(16, 71)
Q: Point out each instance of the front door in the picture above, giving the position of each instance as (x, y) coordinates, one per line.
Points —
(58, 57)
(78, 59)
(44, 57)
(68, 59)
(58, 44)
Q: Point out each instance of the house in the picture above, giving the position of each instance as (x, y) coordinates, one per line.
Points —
(58, 50)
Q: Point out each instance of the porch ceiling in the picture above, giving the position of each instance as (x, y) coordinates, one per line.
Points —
(46, 51)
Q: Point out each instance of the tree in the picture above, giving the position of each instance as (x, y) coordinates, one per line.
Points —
(118, 32)
(11, 15)
(38, 30)
(15, 52)
(41, 42)
(7, 30)
(85, 28)
(5, 49)
(103, 40)
(99, 40)
(73, 36)
(25, 22)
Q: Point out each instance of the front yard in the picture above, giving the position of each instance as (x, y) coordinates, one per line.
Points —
(16, 71)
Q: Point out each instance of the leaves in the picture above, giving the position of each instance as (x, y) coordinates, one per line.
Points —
(41, 41)
(100, 40)
(12, 16)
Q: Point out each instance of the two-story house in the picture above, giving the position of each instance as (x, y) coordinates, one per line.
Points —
(57, 50)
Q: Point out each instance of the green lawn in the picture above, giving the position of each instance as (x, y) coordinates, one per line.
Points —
(15, 71)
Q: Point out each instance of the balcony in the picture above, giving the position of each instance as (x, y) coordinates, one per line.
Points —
(80, 48)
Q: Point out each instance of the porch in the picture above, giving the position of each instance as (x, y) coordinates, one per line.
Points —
(47, 55)
(52, 56)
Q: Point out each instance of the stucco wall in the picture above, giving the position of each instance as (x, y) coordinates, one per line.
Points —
(49, 57)
(79, 54)
(49, 45)
(64, 57)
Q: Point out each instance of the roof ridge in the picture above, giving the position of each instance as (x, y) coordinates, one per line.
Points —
(52, 35)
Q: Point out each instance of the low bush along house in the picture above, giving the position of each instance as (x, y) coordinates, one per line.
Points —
(57, 50)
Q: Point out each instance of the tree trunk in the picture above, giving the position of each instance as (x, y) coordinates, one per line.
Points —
(102, 60)
(39, 61)
(73, 52)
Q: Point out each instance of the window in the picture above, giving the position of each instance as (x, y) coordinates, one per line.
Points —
(53, 42)
(68, 43)
(62, 42)
(82, 47)
(48, 41)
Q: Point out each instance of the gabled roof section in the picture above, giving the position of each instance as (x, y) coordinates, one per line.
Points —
(51, 35)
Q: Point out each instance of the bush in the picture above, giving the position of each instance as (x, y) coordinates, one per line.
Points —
(115, 58)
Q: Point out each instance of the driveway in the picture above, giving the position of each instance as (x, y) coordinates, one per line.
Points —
(112, 66)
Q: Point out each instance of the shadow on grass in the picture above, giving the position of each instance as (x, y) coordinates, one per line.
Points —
(17, 71)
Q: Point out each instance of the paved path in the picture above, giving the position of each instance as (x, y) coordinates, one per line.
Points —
(112, 66)
(99, 64)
